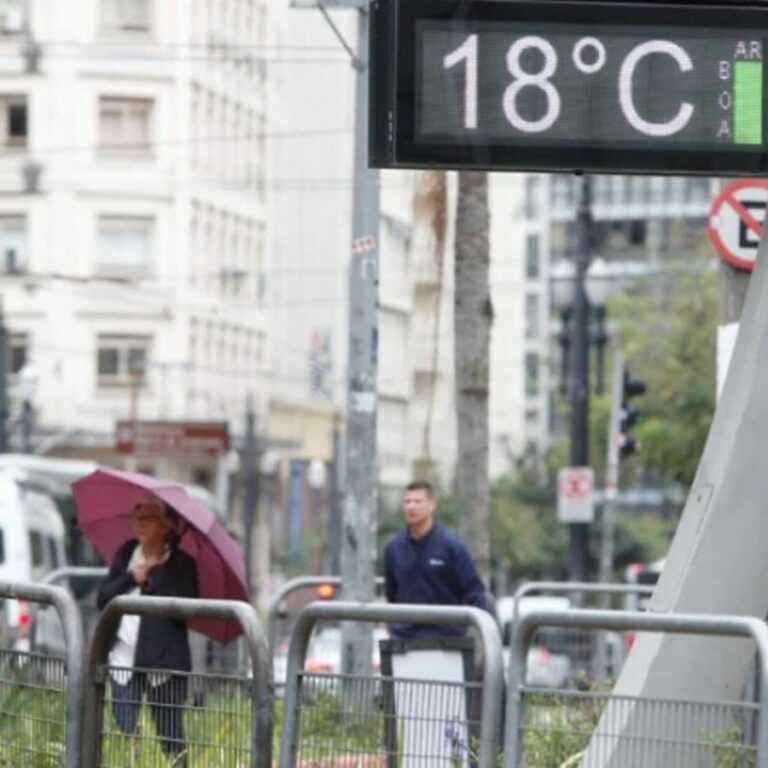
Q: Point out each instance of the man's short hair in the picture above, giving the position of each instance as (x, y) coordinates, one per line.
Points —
(421, 485)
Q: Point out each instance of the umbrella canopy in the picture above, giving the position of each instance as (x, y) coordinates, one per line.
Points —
(104, 502)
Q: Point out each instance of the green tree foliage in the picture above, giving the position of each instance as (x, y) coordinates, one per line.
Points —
(669, 338)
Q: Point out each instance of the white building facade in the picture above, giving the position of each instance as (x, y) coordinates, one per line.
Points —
(133, 216)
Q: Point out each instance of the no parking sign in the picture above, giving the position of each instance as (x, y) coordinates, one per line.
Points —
(736, 221)
(575, 502)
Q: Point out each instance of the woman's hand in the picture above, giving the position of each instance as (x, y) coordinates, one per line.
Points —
(140, 573)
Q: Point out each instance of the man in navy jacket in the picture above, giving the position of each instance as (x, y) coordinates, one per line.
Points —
(425, 563)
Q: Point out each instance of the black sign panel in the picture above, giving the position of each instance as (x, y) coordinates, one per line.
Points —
(562, 85)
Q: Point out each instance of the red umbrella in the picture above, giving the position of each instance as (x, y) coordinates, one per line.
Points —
(105, 499)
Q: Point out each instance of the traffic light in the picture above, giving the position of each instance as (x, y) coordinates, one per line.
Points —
(628, 445)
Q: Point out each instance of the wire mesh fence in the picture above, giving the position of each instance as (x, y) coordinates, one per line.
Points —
(587, 729)
(383, 722)
(159, 719)
(32, 710)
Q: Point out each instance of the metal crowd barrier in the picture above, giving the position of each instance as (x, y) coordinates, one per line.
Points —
(602, 655)
(89, 613)
(207, 655)
(231, 726)
(75, 572)
(336, 719)
(547, 728)
(41, 695)
(274, 614)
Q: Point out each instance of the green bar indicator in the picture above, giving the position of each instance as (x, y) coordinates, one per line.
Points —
(748, 102)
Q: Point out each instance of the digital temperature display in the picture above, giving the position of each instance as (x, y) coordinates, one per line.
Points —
(554, 85)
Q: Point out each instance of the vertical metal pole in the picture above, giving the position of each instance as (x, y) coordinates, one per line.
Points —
(579, 532)
(337, 492)
(360, 493)
(26, 427)
(608, 523)
(3, 384)
(249, 492)
(733, 292)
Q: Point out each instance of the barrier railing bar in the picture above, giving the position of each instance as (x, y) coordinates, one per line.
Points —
(65, 606)
(74, 572)
(571, 587)
(296, 585)
(681, 623)
(605, 589)
(493, 668)
(184, 609)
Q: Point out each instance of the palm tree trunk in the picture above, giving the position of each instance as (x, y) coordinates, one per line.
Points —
(472, 318)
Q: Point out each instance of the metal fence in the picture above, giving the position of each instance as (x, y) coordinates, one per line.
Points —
(82, 582)
(41, 695)
(208, 656)
(599, 656)
(340, 720)
(150, 717)
(276, 611)
(594, 728)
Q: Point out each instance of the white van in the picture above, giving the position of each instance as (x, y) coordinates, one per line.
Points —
(31, 545)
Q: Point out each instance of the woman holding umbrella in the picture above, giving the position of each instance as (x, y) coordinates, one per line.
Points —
(151, 564)
(160, 542)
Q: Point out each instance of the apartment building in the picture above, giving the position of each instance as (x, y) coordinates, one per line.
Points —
(133, 217)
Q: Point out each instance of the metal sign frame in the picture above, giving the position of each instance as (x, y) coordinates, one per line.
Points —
(393, 89)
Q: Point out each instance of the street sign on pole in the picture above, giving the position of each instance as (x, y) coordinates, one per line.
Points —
(575, 495)
(736, 221)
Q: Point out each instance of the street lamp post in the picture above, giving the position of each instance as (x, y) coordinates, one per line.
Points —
(578, 539)
(578, 287)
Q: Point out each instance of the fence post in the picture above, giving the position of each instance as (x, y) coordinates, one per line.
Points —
(493, 667)
(687, 624)
(64, 604)
(184, 609)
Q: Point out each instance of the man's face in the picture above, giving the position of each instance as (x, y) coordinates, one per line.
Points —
(418, 507)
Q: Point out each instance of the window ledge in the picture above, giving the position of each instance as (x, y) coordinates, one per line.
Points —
(124, 155)
(126, 32)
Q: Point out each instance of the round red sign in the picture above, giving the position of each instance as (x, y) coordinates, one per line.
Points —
(736, 221)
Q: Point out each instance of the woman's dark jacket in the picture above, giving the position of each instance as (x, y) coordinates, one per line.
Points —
(162, 643)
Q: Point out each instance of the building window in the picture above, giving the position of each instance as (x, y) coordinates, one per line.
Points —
(125, 127)
(562, 190)
(532, 186)
(18, 352)
(13, 244)
(202, 476)
(124, 244)
(125, 15)
(13, 121)
(12, 17)
(532, 416)
(532, 305)
(531, 374)
(121, 360)
(532, 257)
